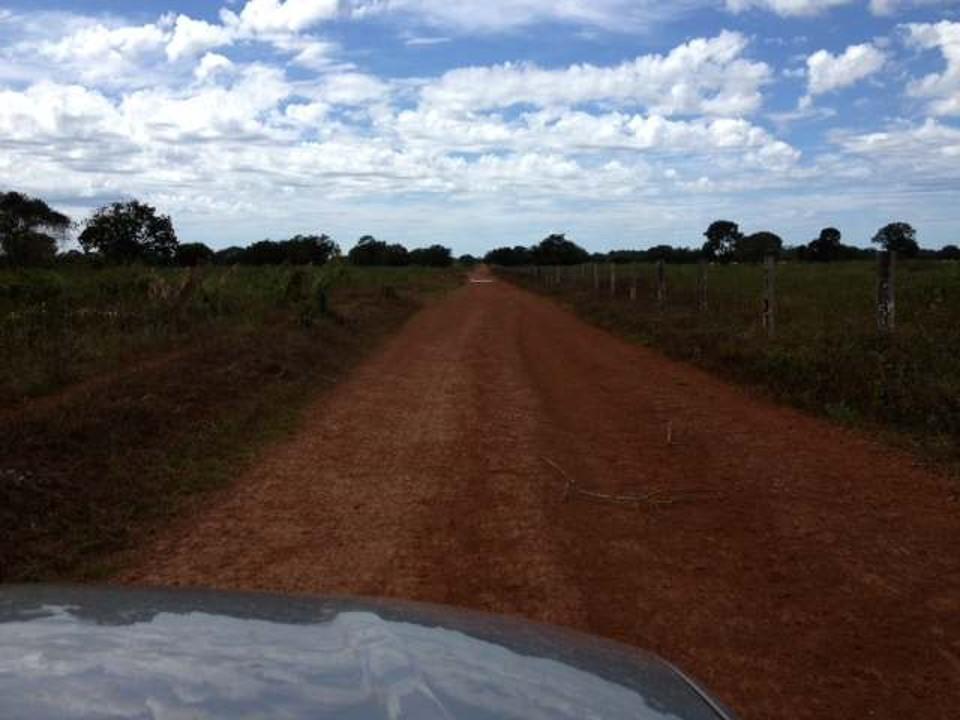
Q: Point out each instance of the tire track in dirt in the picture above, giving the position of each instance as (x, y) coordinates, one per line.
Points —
(803, 572)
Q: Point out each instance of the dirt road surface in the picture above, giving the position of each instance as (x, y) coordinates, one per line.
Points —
(799, 570)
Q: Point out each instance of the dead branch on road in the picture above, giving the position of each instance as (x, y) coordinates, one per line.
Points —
(571, 486)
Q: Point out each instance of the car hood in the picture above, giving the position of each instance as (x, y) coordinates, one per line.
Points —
(80, 652)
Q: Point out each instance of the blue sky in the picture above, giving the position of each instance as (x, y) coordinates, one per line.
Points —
(624, 123)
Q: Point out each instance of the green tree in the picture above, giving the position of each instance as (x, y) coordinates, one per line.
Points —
(130, 231)
(827, 247)
(192, 254)
(722, 237)
(557, 250)
(370, 251)
(899, 237)
(755, 247)
(310, 249)
(26, 225)
(433, 256)
(949, 252)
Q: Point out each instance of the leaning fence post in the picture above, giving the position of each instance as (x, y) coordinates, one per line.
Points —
(770, 295)
(886, 291)
(702, 286)
(613, 279)
(661, 285)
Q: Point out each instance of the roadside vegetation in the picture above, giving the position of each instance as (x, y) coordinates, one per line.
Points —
(827, 354)
(139, 373)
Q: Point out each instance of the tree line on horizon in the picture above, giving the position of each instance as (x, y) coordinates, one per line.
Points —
(726, 243)
(134, 232)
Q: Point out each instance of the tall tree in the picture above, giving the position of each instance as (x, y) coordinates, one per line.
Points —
(557, 250)
(899, 237)
(826, 247)
(755, 247)
(130, 231)
(26, 227)
(310, 249)
(722, 237)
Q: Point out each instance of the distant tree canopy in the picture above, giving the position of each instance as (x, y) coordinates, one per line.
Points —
(130, 231)
(309, 249)
(370, 251)
(192, 254)
(666, 253)
(949, 252)
(467, 259)
(899, 237)
(509, 257)
(552, 250)
(26, 225)
(298, 250)
(757, 246)
(229, 256)
(722, 238)
(557, 250)
(433, 256)
(826, 248)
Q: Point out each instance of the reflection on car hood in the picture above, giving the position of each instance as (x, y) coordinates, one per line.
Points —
(99, 653)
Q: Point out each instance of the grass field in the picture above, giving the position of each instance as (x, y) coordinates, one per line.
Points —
(58, 327)
(127, 391)
(827, 355)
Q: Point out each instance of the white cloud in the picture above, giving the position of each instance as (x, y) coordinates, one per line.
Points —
(212, 64)
(277, 16)
(827, 72)
(96, 52)
(811, 8)
(943, 89)
(892, 7)
(192, 37)
(498, 15)
(786, 7)
(702, 76)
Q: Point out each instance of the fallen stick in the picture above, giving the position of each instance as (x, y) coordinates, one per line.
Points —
(572, 486)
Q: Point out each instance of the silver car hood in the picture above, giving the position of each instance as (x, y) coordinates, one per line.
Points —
(80, 652)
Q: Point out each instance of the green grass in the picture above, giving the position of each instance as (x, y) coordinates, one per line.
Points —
(87, 469)
(827, 355)
(61, 326)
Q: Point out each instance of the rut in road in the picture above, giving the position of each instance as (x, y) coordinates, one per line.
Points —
(802, 572)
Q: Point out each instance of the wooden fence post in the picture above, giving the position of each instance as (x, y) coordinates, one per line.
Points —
(633, 285)
(886, 291)
(596, 279)
(613, 280)
(770, 295)
(558, 276)
(702, 287)
(661, 285)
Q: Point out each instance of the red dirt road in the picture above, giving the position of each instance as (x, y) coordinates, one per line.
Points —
(803, 572)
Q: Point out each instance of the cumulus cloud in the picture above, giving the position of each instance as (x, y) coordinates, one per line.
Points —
(497, 15)
(701, 76)
(192, 37)
(891, 7)
(95, 52)
(810, 8)
(827, 72)
(212, 64)
(786, 7)
(278, 16)
(943, 89)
